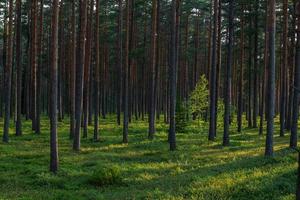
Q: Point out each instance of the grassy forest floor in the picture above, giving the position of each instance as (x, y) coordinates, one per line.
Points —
(146, 169)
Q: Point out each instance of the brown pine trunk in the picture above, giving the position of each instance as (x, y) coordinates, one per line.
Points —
(120, 61)
(87, 64)
(284, 68)
(8, 72)
(241, 76)
(19, 67)
(33, 60)
(53, 89)
(72, 71)
(152, 70)
(97, 73)
(39, 70)
(80, 55)
(126, 67)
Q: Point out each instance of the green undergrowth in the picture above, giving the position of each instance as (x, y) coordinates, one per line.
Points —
(146, 169)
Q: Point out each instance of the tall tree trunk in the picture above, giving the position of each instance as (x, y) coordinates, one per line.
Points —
(126, 67)
(87, 66)
(33, 60)
(8, 72)
(152, 70)
(284, 68)
(295, 114)
(255, 77)
(228, 77)
(80, 55)
(241, 76)
(219, 57)
(173, 71)
(249, 113)
(53, 93)
(212, 106)
(97, 73)
(271, 78)
(120, 60)
(39, 70)
(72, 71)
(265, 75)
(19, 66)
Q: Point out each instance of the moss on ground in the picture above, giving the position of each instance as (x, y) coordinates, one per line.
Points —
(146, 169)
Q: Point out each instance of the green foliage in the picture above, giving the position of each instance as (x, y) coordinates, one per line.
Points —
(181, 117)
(106, 175)
(199, 98)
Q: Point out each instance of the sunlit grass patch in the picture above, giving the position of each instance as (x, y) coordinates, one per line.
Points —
(146, 169)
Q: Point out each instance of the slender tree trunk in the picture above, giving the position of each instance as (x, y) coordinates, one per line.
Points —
(265, 75)
(271, 78)
(87, 66)
(97, 73)
(80, 55)
(19, 66)
(72, 71)
(120, 60)
(173, 71)
(33, 60)
(126, 67)
(241, 76)
(212, 107)
(152, 70)
(249, 115)
(53, 92)
(255, 77)
(8, 72)
(295, 114)
(219, 57)
(39, 70)
(284, 67)
(228, 77)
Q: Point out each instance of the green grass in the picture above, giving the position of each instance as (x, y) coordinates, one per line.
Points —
(146, 169)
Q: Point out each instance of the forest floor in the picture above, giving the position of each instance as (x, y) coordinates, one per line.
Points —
(146, 169)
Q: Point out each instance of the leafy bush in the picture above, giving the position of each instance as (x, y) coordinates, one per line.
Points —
(199, 98)
(106, 175)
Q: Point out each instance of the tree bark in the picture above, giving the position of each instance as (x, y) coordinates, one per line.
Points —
(19, 66)
(8, 72)
(212, 107)
(271, 78)
(53, 92)
(80, 55)
(295, 114)
(228, 77)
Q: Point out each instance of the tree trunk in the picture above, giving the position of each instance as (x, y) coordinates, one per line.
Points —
(39, 70)
(228, 77)
(72, 71)
(8, 72)
(271, 79)
(173, 71)
(53, 92)
(19, 66)
(284, 68)
(33, 60)
(295, 115)
(241, 78)
(120, 60)
(152, 70)
(126, 67)
(80, 55)
(212, 107)
(97, 74)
